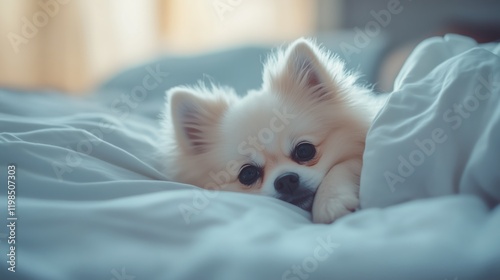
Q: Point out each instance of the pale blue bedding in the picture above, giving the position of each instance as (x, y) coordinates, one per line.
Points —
(91, 202)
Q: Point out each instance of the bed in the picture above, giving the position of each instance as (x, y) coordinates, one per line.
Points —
(91, 202)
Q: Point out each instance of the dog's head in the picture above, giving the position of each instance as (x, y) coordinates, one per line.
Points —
(280, 140)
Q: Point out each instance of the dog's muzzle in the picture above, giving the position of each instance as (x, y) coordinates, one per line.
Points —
(290, 190)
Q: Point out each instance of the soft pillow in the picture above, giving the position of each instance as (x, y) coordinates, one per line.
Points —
(439, 132)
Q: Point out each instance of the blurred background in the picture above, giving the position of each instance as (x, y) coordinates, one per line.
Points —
(73, 45)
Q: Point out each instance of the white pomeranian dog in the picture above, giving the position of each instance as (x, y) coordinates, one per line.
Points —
(300, 138)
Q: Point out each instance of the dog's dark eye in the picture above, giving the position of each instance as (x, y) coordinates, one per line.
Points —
(304, 152)
(249, 175)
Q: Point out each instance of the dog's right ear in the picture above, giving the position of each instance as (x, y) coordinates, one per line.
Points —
(195, 119)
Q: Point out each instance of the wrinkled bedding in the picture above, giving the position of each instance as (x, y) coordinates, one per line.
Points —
(92, 203)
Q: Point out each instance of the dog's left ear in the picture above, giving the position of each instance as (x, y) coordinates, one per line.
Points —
(302, 70)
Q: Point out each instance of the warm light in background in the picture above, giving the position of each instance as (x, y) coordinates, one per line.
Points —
(199, 24)
(73, 44)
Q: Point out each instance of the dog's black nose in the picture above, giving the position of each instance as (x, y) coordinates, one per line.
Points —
(287, 183)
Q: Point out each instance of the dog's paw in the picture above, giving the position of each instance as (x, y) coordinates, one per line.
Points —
(327, 210)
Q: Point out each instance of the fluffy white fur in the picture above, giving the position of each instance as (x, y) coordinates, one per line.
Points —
(306, 96)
